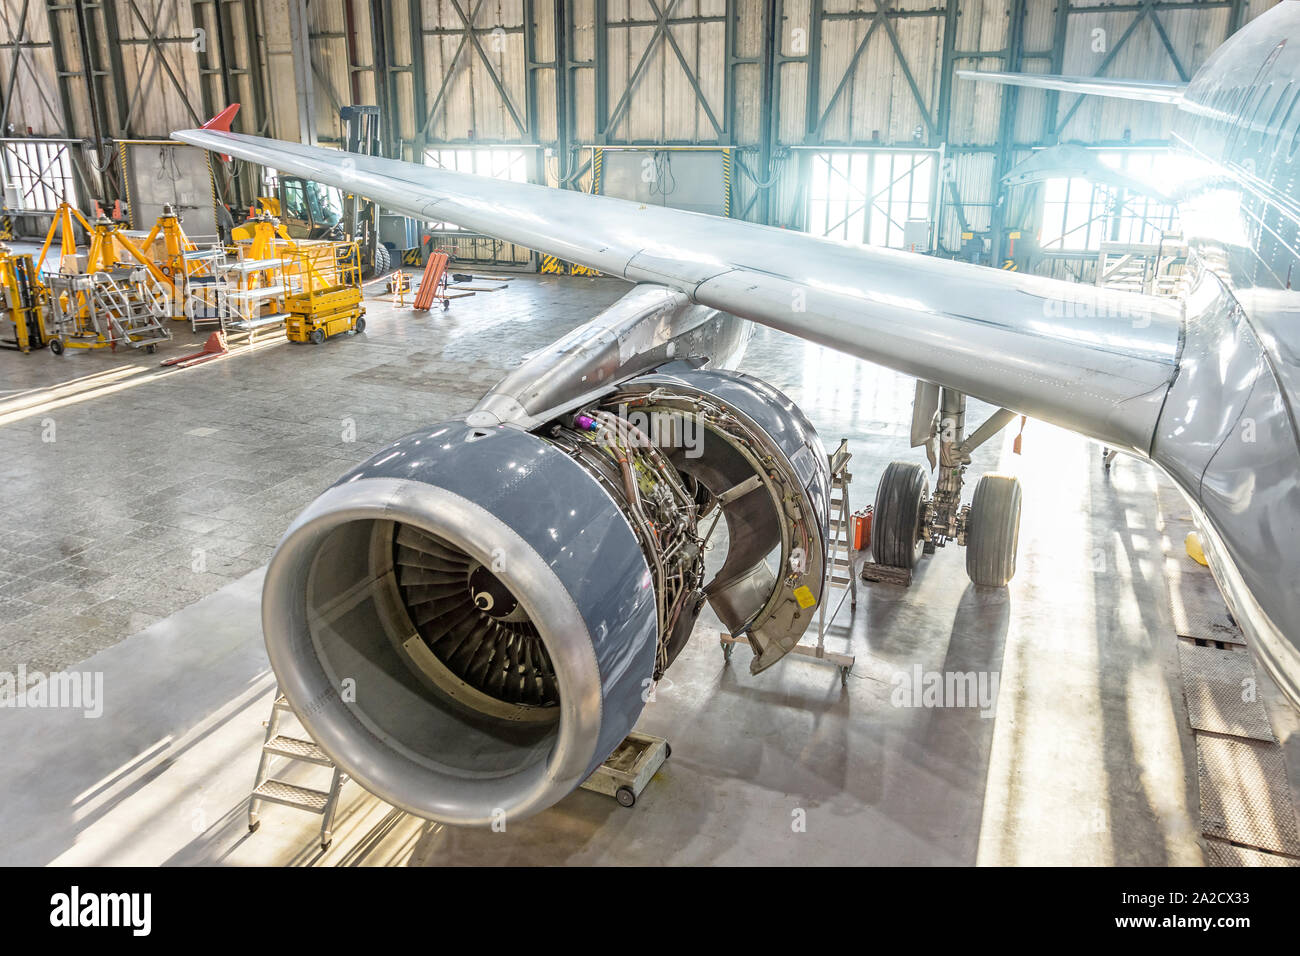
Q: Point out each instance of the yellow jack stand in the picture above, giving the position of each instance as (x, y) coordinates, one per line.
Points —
(175, 244)
(264, 230)
(106, 242)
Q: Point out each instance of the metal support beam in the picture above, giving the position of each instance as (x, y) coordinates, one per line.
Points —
(300, 41)
(1006, 130)
(419, 92)
(943, 122)
(768, 119)
(385, 79)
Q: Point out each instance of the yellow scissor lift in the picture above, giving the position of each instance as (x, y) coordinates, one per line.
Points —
(326, 299)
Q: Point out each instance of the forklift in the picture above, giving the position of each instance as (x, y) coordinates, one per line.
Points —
(309, 210)
(25, 302)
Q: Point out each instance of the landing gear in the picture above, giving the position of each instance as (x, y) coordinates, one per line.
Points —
(993, 531)
(898, 532)
(908, 522)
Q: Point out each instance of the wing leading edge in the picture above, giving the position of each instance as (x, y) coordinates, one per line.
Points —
(1093, 360)
(1148, 91)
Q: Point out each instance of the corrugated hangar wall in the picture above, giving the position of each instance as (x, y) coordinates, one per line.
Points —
(766, 79)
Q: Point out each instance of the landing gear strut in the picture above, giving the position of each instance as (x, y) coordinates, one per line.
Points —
(908, 522)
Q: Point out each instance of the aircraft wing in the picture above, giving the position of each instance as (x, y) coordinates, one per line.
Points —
(1149, 91)
(1092, 360)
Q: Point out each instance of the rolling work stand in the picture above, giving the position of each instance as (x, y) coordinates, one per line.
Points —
(839, 583)
(627, 771)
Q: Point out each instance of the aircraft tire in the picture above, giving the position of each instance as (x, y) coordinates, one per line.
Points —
(993, 531)
(897, 519)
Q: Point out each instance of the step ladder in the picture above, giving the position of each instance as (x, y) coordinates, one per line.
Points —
(131, 307)
(839, 582)
(269, 789)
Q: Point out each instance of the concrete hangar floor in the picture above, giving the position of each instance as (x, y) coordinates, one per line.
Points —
(1087, 755)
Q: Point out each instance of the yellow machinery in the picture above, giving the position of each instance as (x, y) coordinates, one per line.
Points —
(25, 302)
(110, 301)
(177, 256)
(107, 243)
(328, 297)
(263, 230)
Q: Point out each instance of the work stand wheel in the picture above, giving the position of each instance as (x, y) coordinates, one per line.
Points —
(150, 349)
(253, 827)
(844, 677)
(446, 304)
(726, 650)
(625, 797)
(360, 326)
(317, 336)
(56, 346)
(668, 750)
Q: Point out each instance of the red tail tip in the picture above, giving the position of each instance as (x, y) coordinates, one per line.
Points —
(223, 119)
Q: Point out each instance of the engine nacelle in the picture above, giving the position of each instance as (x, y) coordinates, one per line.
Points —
(468, 622)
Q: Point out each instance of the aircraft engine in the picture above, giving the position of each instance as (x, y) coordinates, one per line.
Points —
(469, 622)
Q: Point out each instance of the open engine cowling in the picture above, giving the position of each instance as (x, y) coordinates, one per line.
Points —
(468, 622)
(343, 601)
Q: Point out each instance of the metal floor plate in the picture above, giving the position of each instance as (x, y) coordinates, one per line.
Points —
(1218, 853)
(1244, 793)
(1215, 680)
(1197, 605)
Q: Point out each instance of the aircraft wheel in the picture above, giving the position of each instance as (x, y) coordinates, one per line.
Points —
(897, 520)
(993, 531)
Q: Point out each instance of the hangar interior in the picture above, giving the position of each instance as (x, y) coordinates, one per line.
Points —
(156, 455)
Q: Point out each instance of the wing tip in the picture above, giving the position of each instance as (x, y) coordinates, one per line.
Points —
(221, 122)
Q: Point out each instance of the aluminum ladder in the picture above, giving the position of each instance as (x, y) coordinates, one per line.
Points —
(269, 789)
(130, 307)
(839, 581)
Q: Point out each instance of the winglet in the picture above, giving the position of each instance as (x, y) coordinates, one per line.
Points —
(222, 120)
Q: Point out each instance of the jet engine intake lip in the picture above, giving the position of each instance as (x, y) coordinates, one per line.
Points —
(377, 761)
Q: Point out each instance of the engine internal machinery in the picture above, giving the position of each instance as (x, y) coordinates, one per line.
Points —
(469, 622)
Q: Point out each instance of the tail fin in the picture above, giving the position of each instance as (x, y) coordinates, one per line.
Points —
(1149, 91)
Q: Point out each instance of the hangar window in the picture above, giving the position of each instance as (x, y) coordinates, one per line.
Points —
(1079, 215)
(868, 195)
(497, 162)
(39, 172)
